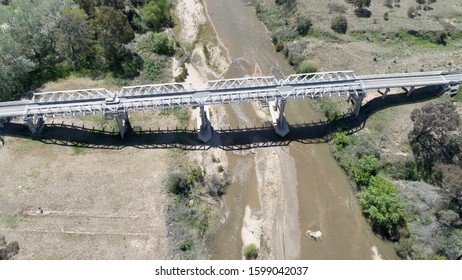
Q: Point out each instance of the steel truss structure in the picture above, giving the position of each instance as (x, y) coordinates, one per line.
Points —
(226, 91)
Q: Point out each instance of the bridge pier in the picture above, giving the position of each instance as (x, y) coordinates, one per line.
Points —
(282, 127)
(409, 91)
(384, 94)
(205, 128)
(36, 125)
(122, 121)
(356, 101)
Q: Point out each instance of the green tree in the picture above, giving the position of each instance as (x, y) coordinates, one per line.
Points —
(75, 36)
(156, 14)
(33, 25)
(113, 31)
(28, 43)
(365, 168)
(15, 67)
(435, 137)
(339, 24)
(381, 204)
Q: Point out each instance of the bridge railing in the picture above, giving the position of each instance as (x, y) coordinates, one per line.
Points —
(346, 89)
(143, 90)
(250, 82)
(71, 95)
(400, 75)
(319, 77)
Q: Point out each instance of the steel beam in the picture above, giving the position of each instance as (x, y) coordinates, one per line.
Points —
(384, 94)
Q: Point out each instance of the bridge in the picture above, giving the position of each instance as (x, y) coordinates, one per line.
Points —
(117, 105)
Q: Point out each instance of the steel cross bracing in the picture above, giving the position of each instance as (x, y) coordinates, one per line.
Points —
(320, 77)
(71, 95)
(145, 90)
(174, 95)
(250, 82)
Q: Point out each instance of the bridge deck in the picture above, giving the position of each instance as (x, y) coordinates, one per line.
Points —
(251, 89)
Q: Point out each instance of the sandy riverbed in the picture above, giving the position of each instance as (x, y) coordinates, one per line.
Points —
(275, 225)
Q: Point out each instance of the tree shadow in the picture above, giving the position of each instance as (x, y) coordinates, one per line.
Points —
(240, 138)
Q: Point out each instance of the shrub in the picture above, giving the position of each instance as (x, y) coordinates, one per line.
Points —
(381, 204)
(217, 186)
(386, 17)
(440, 37)
(303, 25)
(159, 43)
(156, 14)
(411, 12)
(364, 169)
(179, 184)
(340, 140)
(251, 252)
(330, 111)
(307, 67)
(339, 24)
(186, 245)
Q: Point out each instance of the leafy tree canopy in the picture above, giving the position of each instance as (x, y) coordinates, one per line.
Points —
(381, 204)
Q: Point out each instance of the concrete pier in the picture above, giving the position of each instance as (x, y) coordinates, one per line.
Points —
(122, 121)
(204, 126)
(36, 125)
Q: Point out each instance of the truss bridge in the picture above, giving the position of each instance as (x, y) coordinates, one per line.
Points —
(69, 103)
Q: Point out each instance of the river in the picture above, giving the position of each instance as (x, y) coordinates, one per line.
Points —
(322, 197)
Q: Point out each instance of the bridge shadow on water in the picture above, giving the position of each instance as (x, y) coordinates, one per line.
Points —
(239, 138)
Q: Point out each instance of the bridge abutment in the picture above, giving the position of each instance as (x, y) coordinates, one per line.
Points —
(282, 127)
(36, 125)
(122, 121)
(205, 127)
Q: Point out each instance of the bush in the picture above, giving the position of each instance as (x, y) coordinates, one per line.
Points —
(251, 252)
(179, 184)
(381, 204)
(185, 246)
(217, 186)
(364, 169)
(440, 37)
(386, 17)
(159, 43)
(411, 12)
(330, 111)
(156, 14)
(340, 140)
(303, 25)
(339, 24)
(307, 67)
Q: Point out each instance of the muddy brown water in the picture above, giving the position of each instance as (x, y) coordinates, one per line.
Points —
(326, 199)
